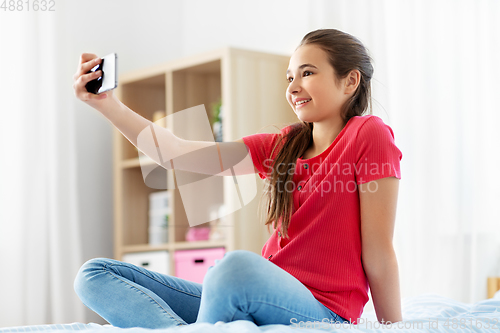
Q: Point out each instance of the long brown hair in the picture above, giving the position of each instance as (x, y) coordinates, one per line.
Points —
(345, 53)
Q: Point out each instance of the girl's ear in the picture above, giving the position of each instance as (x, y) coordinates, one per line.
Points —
(352, 81)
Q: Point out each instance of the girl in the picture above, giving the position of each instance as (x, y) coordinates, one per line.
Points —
(332, 185)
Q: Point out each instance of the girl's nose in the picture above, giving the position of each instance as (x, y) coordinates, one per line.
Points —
(293, 88)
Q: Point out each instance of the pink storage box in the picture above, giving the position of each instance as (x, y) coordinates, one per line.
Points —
(192, 265)
(197, 234)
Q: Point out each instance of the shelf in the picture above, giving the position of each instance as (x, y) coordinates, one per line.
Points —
(136, 162)
(146, 248)
(174, 247)
(199, 244)
(251, 88)
(493, 285)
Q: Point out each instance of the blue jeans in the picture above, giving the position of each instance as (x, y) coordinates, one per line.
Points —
(241, 286)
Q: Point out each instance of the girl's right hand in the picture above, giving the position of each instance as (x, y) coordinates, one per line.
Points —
(81, 78)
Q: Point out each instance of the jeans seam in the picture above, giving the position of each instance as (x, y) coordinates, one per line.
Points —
(113, 275)
(262, 302)
(153, 278)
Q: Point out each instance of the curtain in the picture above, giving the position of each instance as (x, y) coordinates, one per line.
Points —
(436, 83)
(39, 244)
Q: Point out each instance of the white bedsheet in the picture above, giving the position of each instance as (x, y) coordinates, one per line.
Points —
(424, 313)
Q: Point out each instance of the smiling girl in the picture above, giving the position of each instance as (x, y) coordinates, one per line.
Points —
(331, 194)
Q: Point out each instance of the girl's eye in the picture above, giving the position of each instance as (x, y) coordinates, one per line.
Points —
(290, 78)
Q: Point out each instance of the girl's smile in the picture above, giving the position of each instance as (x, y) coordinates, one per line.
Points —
(301, 102)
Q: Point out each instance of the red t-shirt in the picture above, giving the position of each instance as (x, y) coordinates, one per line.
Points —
(324, 248)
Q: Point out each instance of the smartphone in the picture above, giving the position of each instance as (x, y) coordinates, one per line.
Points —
(109, 78)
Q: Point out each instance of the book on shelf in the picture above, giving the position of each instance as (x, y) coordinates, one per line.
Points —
(159, 215)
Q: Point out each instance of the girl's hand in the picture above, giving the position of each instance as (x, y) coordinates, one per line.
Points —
(81, 78)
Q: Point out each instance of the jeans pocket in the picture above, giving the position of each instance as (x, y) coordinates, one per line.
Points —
(342, 320)
(337, 318)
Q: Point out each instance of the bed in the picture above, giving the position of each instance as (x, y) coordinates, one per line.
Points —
(424, 313)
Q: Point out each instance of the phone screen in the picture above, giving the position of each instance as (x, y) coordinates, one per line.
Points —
(108, 79)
